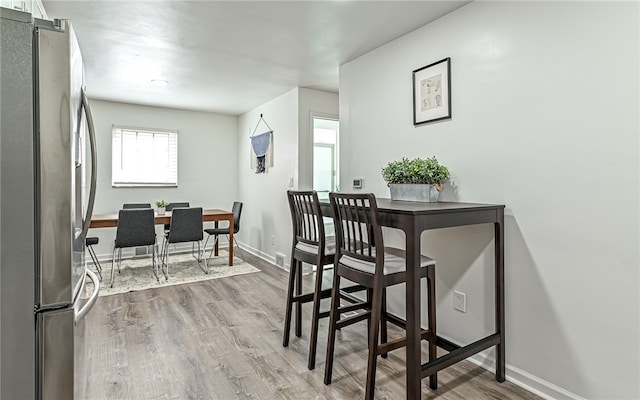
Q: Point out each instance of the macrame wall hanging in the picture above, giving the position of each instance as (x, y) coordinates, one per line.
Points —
(261, 148)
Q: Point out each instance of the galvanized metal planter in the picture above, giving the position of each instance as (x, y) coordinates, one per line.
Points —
(414, 192)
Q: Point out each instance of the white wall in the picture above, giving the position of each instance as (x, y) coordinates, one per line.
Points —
(545, 120)
(266, 219)
(266, 224)
(317, 103)
(207, 149)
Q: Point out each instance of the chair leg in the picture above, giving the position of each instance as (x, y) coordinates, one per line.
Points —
(113, 261)
(315, 316)
(376, 310)
(215, 241)
(289, 306)
(201, 257)
(116, 261)
(165, 260)
(383, 321)
(334, 315)
(370, 302)
(94, 257)
(153, 262)
(166, 265)
(205, 243)
(431, 318)
(235, 243)
(156, 252)
(119, 259)
(298, 328)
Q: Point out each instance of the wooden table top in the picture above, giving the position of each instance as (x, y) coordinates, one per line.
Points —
(111, 220)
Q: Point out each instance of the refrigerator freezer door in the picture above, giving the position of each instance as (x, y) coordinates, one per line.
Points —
(80, 349)
(60, 173)
(56, 354)
(61, 349)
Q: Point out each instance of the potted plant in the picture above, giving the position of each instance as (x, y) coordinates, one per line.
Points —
(416, 180)
(161, 204)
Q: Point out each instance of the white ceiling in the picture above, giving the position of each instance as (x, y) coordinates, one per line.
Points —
(229, 56)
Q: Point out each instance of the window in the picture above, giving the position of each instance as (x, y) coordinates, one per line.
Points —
(144, 157)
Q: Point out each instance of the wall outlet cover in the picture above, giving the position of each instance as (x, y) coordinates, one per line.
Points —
(460, 301)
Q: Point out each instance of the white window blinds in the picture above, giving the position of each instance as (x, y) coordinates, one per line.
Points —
(144, 157)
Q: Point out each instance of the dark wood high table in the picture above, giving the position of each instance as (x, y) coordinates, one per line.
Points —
(413, 218)
(215, 215)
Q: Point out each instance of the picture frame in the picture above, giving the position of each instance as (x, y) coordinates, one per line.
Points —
(432, 92)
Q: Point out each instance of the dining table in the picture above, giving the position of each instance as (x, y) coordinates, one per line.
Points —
(413, 218)
(215, 215)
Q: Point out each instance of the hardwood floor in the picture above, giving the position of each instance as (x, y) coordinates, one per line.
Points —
(222, 339)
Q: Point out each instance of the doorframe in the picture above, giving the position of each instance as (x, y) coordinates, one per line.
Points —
(320, 115)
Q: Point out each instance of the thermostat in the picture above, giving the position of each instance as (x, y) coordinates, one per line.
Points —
(357, 183)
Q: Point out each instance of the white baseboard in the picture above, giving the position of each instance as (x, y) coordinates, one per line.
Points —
(264, 256)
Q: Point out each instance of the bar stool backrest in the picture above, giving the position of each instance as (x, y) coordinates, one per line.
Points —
(358, 233)
(306, 217)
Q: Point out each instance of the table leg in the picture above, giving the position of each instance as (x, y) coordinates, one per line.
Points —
(215, 246)
(231, 242)
(499, 260)
(413, 361)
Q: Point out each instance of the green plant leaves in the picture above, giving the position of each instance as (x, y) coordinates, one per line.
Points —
(418, 170)
(161, 203)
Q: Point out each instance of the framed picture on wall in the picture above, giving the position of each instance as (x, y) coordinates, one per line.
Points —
(432, 92)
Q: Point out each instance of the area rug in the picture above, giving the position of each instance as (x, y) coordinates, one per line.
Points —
(137, 274)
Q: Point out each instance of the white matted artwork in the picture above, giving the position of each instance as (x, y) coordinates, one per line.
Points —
(432, 92)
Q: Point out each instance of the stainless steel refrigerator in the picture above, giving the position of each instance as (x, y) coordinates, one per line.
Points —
(46, 141)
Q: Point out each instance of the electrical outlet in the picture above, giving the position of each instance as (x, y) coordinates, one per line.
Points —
(459, 301)
(273, 240)
(280, 260)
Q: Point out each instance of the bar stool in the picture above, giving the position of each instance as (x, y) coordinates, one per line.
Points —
(309, 246)
(90, 242)
(362, 258)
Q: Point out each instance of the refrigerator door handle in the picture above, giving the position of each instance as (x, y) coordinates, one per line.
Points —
(80, 314)
(94, 163)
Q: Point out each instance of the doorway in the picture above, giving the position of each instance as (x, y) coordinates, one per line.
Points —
(325, 155)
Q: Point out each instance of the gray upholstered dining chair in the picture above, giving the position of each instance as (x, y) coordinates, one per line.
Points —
(129, 206)
(186, 226)
(362, 258)
(171, 206)
(136, 227)
(181, 204)
(237, 212)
